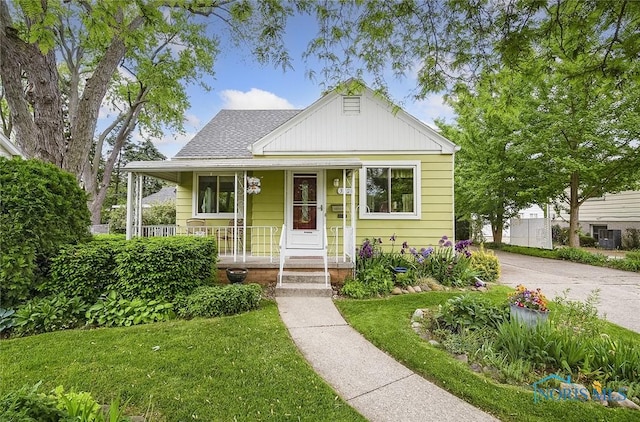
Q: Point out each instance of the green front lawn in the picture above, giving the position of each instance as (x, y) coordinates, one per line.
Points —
(386, 323)
(243, 367)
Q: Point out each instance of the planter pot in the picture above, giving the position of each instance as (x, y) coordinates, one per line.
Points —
(528, 316)
(236, 275)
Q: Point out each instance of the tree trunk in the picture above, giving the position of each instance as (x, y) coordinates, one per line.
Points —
(496, 231)
(37, 112)
(574, 206)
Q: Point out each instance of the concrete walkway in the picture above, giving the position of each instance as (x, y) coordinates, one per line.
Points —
(372, 382)
(619, 290)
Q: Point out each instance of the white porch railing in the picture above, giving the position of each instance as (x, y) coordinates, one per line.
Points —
(341, 246)
(260, 240)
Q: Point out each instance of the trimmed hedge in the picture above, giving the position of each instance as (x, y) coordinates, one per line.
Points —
(574, 255)
(42, 208)
(85, 271)
(147, 268)
(163, 267)
(215, 301)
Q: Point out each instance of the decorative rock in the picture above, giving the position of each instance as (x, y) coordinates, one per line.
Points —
(475, 367)
(396, 291)
(434, 343)
(417, 289)
(425, 288)
(482, 289)
(416, 324)
(463, 358)
(410, 289)
(575, 391)
(417, 314)
(405, 292)
(436, 287)
(618, 400)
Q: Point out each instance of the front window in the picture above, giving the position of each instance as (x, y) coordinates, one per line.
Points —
(391, 191)
(216, 195)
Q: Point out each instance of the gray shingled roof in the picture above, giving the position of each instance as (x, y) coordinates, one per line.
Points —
(166, 194)
(230, 132)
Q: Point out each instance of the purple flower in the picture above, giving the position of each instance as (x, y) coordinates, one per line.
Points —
(447, 244)
(405, 245)
(420, 259)
(426, 252)
(393, 237)
(379, 240)
(413, 251)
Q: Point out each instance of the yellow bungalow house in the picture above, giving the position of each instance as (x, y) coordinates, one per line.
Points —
(278, 188)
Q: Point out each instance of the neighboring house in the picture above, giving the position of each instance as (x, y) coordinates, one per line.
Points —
(164, 195)
(612, 211)
(8, 149)
(348, 167)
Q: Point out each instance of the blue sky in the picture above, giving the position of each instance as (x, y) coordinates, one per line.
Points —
(241, 83)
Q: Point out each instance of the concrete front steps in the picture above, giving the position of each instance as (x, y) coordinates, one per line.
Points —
(303, 284)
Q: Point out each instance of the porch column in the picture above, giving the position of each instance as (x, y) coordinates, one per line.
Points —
(235, 217)
(130, 206)
(138, 201)
(353, 216)
(344, 215)
(244, 217)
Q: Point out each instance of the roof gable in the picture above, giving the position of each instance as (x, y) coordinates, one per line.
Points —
(230, 133)
(336, 125)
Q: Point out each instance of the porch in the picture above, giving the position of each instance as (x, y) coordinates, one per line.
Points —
(259, 250)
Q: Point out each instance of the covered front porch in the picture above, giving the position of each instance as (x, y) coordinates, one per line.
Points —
(250, 228)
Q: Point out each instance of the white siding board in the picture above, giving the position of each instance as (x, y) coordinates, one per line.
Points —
(615, 207)
(326, 129)
(623, 205)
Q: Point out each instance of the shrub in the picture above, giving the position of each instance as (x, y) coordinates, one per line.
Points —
(27, 404)
(470, 312)
(7, 320)
(157, 214)
(41, 209)
(578, 316)
(559, 235)
(486, 264)
(86, 270)
(41, 315)
(161, 268)
(214, 301)
(355, 289)
(587, 241)
(579, 255)
(631, 239)
(112, 310)
(632, 255)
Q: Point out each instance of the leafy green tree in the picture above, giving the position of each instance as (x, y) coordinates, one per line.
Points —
(495, 175)
(62, 61)
(582, 57)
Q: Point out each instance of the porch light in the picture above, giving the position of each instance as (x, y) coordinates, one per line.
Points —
(336, 183)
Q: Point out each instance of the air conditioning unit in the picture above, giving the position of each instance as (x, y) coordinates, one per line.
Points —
(610, 239)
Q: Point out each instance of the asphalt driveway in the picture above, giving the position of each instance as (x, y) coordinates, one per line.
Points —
(619, 290)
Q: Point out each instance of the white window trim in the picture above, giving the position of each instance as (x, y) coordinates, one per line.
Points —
(194, 199)
(417, 191)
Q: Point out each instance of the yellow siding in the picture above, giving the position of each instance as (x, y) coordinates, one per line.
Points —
(437, 204)
(267, 208)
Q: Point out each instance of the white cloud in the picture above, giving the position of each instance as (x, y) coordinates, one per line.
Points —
(432, 108)
(254, 99)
